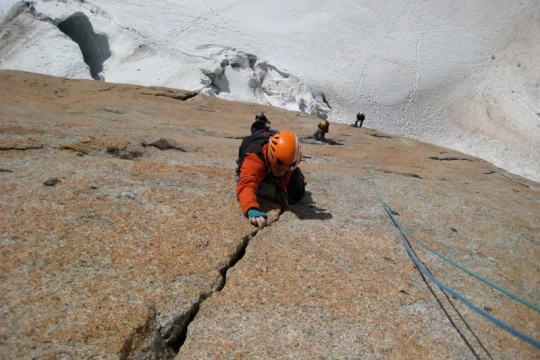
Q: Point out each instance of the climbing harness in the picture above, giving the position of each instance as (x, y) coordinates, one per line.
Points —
(420, 266)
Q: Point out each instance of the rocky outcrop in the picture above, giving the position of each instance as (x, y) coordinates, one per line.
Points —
(140, 251)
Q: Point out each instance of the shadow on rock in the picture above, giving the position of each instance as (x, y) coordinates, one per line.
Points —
(310, 140)
(306, 209)
(333, 142)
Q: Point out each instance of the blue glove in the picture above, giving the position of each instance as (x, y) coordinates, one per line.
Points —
(256, 213)
(281, 197)
(257, 218)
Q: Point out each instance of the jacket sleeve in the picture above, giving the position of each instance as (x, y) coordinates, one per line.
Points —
(252, 173)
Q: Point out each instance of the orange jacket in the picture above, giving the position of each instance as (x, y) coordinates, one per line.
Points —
(252, 173)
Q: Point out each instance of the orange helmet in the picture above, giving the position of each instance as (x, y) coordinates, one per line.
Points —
(284, 152)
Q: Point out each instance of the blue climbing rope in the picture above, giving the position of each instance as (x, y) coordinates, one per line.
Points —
(480, 311)
(486, 281)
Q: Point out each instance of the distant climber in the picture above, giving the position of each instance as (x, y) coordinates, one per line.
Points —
(261, 117)
(261, 124)
(359, 120)
(322, 130)
(274, 159)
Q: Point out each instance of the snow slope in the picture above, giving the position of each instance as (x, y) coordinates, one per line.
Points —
(461, 74)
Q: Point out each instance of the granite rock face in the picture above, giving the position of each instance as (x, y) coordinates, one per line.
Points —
(121, 236)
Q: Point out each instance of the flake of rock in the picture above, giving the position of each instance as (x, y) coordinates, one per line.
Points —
(166, 144)
(51, 182)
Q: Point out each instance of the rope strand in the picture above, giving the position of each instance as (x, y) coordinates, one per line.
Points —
(480, 311)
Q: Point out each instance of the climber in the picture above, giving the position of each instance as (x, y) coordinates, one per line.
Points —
(359, 118)
(273, 158)
(322, 129)
(261, 124)
(261, 117)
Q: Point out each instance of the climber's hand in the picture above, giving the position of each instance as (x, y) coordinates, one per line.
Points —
(257, 218)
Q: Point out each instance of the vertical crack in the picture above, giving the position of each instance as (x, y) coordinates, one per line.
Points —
(189, 317)
(192, 313)
(165, 342)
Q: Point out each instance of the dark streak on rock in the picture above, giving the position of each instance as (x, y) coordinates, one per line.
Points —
(20, 148)
(522, 184)
(182, 97)
(107, 89)
(386, 171)
(448, 158)
(114, 111)
(380, 136)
